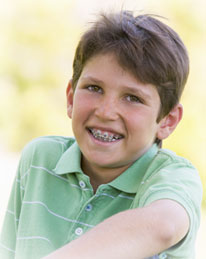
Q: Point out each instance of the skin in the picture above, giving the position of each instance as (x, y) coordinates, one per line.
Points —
(109, 98)
(132, 234)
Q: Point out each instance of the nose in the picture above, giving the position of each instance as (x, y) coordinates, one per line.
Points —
(107, 108)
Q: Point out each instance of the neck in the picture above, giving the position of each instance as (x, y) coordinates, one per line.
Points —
(101, 175)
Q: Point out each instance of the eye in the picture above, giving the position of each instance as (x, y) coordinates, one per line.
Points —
(94, 88)
(133, 99)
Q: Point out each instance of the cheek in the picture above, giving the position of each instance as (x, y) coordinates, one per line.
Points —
(82, 106)
(141, 122)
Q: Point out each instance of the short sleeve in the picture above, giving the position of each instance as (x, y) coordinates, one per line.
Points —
(182, 184)
(11, 220)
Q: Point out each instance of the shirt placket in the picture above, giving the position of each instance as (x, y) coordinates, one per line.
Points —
(80, 225)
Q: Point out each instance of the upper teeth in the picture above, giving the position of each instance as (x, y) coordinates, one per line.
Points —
(105, 136)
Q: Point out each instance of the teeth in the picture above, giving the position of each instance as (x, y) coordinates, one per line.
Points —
(106, 134)
(98, 133)
(106, 137)
(110, 138)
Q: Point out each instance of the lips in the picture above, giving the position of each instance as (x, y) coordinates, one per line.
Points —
(105, 136)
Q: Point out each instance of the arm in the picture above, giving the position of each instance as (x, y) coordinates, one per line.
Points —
(10, 224)
(136, 233)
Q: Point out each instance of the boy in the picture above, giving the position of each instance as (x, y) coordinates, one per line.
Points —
(136, 199)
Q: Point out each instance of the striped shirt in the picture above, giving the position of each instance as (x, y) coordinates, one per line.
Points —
(52, 201)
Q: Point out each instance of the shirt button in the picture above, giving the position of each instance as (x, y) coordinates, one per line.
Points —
(82, 184)
(89, 207)
(78, 231)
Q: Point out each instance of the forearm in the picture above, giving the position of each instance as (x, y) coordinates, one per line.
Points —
(116, 237)
(129, 234)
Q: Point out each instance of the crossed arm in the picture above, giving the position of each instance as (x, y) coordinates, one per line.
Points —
(136, 233)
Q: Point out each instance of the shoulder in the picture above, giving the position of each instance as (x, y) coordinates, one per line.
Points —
(47, 143)
(173, 177)
(170, 176)
(169, 164)
(169, 168)
(166, 157)
(44, 150)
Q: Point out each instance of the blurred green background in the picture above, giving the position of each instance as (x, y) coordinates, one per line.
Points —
(37, 42)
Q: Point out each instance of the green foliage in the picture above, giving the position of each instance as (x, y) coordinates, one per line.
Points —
(36, 69)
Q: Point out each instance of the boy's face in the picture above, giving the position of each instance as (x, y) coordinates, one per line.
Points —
(113, 115)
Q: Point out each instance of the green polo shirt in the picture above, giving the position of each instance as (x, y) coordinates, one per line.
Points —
(52, 201)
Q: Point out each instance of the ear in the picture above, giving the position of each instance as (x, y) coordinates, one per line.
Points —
(70, 96)
(168, 124)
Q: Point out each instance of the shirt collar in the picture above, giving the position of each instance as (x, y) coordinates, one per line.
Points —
(70, 161)
(129, 181)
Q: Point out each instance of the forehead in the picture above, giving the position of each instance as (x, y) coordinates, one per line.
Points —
(105, 69)
(106, 65)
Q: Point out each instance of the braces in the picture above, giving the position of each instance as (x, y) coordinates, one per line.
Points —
(105, 136)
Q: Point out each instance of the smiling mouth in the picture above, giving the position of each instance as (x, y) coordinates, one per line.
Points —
(104, 135)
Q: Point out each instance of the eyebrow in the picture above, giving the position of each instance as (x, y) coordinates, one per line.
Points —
(93, 79)
(126, 88)
(137, 91)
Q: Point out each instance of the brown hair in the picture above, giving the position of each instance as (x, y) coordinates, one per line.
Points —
(143, 45)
